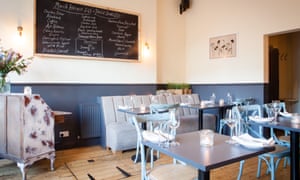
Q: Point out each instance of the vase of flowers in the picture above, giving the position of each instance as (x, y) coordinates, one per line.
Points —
(4, 83)
(11, 61)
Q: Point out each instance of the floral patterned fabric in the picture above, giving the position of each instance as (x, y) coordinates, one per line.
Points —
(39, 126)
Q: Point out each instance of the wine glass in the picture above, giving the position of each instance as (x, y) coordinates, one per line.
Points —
(164, 131)
(173, 123)
(231, 121)
(276, 109)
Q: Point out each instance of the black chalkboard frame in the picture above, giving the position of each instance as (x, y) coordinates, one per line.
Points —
(136, 47)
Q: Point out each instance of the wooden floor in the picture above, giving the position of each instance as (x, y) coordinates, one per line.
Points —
(101, 164)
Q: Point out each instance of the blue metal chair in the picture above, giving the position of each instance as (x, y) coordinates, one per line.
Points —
(159, 113)
(167, 171)
(238, 102)
(273, 158)
(284, 139)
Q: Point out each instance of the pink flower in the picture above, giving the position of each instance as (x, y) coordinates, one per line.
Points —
(11, 60)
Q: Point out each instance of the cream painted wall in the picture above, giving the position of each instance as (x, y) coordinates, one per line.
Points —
(68, 70)
(250, 21)
(181, 42)
(171, 65)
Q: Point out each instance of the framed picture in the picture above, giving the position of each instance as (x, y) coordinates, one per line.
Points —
(222, 46)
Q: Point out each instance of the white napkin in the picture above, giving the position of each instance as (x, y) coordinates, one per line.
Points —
(252, 142)
(261, 119)
(164, 134)
(156, 137)
(122, 107)
(207, 102)
(159, 107)
(285, 114)
(184, 104)
(153, 137)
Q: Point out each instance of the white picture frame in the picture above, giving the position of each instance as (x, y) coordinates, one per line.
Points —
(222, 46)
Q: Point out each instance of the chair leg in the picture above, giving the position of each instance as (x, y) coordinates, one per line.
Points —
(258, 168)
(143, 163)
(151, 158)
(137, 152)
(241, 169)
(220, 129)
(272, 168)
(286, 161)
(222, 124)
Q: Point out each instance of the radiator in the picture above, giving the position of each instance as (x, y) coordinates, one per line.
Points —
(90, 120)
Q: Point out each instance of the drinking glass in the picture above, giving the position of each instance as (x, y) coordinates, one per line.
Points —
(269, 110)
(173, 123)
(231, 121)
(164, 132)
(276, 109)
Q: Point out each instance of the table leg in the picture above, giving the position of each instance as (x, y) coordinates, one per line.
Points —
(200, 125)
(294, 155)
(203, 175)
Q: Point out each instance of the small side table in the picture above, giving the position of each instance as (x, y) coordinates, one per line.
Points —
(61, 116)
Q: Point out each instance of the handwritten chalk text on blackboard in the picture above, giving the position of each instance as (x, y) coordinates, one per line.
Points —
(66, 28)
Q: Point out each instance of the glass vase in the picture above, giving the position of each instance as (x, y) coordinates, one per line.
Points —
(4, 84)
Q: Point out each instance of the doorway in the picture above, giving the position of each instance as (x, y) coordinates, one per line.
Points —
(284, 57)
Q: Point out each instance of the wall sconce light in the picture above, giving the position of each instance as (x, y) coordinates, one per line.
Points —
(147, 45)
(20, 30)
(146, 49)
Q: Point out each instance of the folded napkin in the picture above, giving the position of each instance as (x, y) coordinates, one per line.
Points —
(122, 107)
(164, 134)
(252, 142)
(156, 137)
(207, 102)
(261, 119)
(184, 104)
(285, 114)
(153, 137)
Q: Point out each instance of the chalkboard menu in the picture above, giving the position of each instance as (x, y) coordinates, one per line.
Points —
(64, 28)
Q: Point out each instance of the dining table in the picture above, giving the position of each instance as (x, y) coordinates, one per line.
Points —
(221, 108)
(285, 124)
(135, 110)
(144, 111)
(206, 158)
